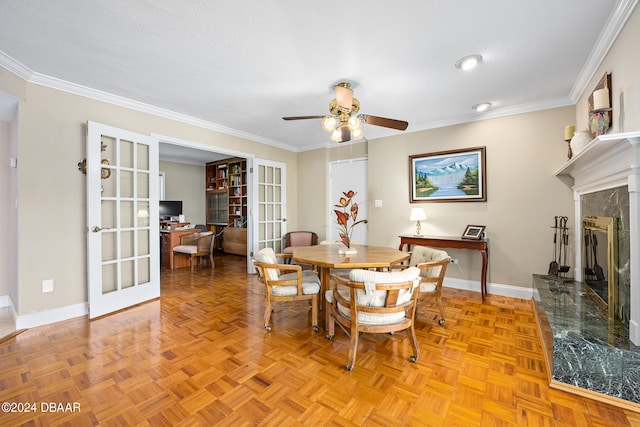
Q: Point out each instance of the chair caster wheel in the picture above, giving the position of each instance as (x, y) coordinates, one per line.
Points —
(316, 329)
(268, 328)
(349, 367)
(413, 359)
(441, 322)
(329, 337)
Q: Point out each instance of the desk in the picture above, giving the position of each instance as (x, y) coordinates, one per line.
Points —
(170, 239)
(453, 243)
(326, 257)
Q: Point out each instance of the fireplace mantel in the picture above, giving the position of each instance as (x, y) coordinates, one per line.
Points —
(609, 161)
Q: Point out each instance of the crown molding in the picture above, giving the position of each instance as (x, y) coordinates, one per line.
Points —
(54, 83)
(621, 13)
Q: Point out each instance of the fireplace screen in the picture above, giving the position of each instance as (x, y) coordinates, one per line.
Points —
(600, 260)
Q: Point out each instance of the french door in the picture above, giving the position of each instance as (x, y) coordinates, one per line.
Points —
(269, 201)
(122, 219)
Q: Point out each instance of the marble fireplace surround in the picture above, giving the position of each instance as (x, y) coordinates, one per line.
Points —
(609, 161)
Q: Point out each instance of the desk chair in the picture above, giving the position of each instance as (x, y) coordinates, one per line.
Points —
(196, 246)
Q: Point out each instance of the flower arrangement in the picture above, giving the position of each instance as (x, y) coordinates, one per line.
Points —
(349, 211)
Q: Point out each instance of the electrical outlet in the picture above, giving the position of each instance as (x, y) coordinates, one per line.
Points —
(455, 261)
(47, 286)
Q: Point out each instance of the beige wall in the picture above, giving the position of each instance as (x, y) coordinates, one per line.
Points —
(314, 208)
(186, 183)
(523, 151)
(52, 199)
(623, 62)
(5, 207)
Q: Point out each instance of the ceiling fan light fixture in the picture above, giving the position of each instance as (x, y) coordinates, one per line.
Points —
(484, 106)
(357, 134)
(329, 123)
(354, 123)
(336, 135)
(468, 62)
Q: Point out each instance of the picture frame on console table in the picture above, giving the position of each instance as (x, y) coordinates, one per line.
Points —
(448, 176)
(474, 232)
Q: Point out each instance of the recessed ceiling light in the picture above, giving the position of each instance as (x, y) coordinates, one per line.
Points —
(482, 107)
(468, 62)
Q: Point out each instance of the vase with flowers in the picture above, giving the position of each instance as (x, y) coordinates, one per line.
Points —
(348, 210)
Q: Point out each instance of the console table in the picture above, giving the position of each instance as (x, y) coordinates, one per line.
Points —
(453, 243)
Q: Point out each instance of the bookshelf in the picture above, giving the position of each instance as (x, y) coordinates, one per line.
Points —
(226, 183)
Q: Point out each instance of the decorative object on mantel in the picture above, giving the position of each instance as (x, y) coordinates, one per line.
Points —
(569, 130)
(580, 140)
(600, 111)
(417, 214)
(346, 230)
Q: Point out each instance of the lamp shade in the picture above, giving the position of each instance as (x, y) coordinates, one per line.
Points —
(417, 214)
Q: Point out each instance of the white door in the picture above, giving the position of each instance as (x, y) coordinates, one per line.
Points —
(345, 176)
(269, 201)
(122, 219)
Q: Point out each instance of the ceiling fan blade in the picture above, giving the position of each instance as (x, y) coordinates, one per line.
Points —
(302, 117)
(345, 134)
(387, 123)
(344, 97)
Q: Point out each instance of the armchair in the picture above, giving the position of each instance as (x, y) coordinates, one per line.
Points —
(294, 239)
(433, 266)
(373, 302)
(297, 288)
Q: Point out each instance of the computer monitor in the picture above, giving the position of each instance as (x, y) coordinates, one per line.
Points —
(170, 208)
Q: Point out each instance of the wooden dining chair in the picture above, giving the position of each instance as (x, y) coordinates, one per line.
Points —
(373, 302)
(286, 285)
(196, 246)
(433, 265)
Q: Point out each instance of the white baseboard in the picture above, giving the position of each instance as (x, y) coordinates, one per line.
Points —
(46, 317)
(492, 288)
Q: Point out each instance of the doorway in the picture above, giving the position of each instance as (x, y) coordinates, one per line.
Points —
(186, 153)
(349, 175)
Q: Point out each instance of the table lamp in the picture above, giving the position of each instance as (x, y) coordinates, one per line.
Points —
(417, 214)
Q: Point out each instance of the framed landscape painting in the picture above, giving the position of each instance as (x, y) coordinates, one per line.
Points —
(449, 176)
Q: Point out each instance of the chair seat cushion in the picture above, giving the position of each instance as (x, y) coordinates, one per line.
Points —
(186, 249)
(310, 284)
(427, 288)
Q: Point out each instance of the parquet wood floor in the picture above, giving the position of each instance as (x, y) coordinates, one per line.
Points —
(199, 356)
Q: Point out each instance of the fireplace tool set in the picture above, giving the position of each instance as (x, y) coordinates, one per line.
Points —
(558, 267)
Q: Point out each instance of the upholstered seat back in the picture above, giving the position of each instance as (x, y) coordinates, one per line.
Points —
(372, 297)
(421, 254)
(267, 256)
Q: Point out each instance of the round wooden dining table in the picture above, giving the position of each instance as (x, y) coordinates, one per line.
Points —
(326, 257)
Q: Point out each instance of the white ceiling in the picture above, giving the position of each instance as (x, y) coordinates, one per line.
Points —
(239, 67)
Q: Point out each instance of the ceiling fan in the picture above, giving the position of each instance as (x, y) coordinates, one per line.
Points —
(344, 123)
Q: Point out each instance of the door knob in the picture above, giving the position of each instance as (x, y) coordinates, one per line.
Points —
(95, 228)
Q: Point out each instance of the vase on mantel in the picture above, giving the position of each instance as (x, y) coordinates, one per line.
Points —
(580, 140)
